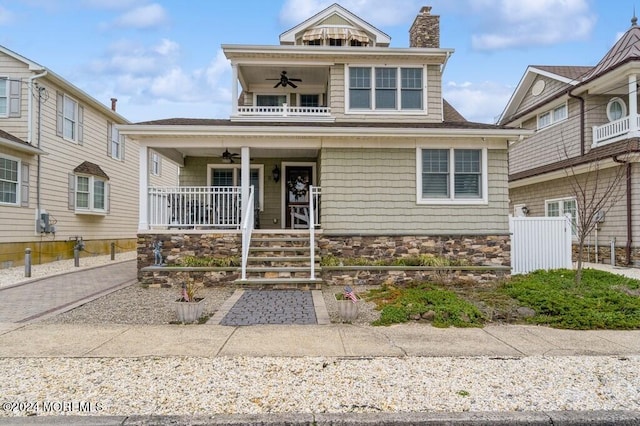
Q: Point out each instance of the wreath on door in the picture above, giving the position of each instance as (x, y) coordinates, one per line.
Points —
(298, 187)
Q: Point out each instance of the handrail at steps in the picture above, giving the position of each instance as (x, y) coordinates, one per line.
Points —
(247, 230)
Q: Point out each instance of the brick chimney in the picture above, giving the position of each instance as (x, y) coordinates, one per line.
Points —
(425, 31)
(113, 103)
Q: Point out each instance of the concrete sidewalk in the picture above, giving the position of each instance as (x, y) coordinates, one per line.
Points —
(334, 340)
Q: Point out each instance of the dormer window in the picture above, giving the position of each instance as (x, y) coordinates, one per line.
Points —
(335, 36)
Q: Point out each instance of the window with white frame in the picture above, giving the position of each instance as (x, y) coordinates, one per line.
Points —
(70, 115)
(90, 194)
(4, 96)
(616, 109)
(155, 164)
(386, 88)
(230, 175)
(115, 147)
(9, 181)
(271, 100)
(10, 97)
(553, 116)
(309, 100)
(452, 175)
(562, 206)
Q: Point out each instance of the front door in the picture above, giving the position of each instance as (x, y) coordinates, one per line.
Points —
(297, 181)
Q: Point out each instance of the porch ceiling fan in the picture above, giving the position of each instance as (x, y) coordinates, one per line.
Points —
(228, 157)
(284, 80)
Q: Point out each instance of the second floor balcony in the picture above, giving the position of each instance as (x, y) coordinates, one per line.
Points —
(308, 113)
(623, 128)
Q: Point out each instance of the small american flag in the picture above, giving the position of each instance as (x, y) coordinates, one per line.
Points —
(349, 294)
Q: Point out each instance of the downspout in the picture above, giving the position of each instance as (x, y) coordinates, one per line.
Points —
(629, 209)
(581, 99)
(39, 135)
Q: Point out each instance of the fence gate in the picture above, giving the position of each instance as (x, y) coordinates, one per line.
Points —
(540, 243)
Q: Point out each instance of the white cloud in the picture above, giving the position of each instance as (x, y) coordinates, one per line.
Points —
(478, 102)
(515, 23)
(377, 12)
(147, 16)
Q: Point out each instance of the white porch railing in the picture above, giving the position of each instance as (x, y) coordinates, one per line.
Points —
(247, 229)
(314, 204)
(284, 111)
(614, 129)
(191, 206)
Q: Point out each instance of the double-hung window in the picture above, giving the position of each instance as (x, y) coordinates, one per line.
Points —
(70, 116)
(115, 143)
(452, 175)
(562, 206)
(386, 88)
(90, 194)
(9, 181)
(155, 164)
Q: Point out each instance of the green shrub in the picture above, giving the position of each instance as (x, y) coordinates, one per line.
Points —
(195, 261)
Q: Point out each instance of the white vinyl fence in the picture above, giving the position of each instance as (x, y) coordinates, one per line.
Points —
(540, 243)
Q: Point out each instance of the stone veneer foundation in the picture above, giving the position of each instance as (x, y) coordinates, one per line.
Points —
(488, 257)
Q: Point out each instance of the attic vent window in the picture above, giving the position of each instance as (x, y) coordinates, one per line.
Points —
(335, 36)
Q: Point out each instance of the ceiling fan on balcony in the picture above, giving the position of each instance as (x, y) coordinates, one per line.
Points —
(284, 80)
(228, 157)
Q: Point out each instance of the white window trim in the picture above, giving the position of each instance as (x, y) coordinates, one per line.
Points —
(550, 112)
(117, 139)
(76, 123)
(155, 165)
(373, 110)
(5, 80)
(236, 176)
(286, 95)
(561, 211)
(91, 209)
(621, 102)
(18, 202)
(483, 200)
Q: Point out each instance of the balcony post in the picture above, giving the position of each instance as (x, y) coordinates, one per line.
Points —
(245, 175)
(143, 200)
(234, 89)
(633, 104)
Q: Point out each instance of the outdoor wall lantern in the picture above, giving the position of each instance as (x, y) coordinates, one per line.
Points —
(275, 173)
(525, 210)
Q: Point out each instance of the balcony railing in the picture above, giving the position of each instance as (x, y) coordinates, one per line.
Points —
(284, 111)
(614, 130)
(195, 206)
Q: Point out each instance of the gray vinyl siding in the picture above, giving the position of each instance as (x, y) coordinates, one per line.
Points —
(548, 145)
(552, 87)
(534, 197)
(373, 191)
(14, 220)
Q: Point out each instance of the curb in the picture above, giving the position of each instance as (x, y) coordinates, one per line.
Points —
(530, 418)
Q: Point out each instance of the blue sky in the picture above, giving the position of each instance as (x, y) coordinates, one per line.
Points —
(162, 58)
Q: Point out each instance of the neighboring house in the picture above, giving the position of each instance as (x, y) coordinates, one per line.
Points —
(585, 119)
(333, 111)
(65, 171)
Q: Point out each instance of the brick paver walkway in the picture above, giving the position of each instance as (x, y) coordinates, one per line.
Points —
(272, 307)
(37, 298)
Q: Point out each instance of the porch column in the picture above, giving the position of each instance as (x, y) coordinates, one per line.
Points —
(633, 103)
(143, 200)
(245, 175)
(234, 89)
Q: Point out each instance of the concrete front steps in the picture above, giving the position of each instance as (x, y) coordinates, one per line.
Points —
(281, 260)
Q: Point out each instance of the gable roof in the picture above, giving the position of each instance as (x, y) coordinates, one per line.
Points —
(89, 168)
(56, 79)
(289, 36)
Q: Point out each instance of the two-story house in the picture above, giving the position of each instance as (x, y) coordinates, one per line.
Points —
(66, 172)
(337, 131)
(587, 126)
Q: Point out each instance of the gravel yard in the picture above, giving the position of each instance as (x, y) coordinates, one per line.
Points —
(269, 385)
